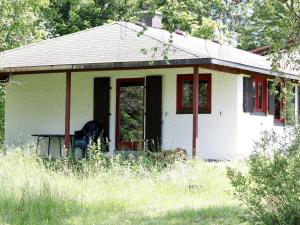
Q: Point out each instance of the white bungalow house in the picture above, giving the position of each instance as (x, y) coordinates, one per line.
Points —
(55, 86)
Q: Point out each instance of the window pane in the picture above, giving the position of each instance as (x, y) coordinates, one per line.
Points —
(254, 94)
(187, 93)
(131, 112)
(203, 94)
(260, 95)
(277, 114)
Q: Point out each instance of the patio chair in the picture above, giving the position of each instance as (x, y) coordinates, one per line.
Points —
(90, 132)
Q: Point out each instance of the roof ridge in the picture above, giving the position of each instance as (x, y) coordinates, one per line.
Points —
(147, 35)
(56, 38)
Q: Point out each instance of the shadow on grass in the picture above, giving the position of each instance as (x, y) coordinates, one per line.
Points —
(44, 208)
(206, 216)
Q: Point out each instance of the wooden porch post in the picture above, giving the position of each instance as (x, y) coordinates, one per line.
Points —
(195, 109)
(68, 110)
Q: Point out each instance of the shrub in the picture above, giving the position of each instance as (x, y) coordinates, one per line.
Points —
(270, 187)
(98, 160)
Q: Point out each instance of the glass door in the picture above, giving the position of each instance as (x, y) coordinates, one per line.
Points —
(130, 114)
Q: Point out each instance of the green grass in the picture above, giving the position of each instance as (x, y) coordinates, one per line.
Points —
(193, 193)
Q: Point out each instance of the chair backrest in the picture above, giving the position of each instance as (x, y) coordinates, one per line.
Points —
(92, 130)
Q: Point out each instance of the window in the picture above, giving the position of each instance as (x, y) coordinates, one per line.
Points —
(279, 105)
(185, 93)
(259, 94)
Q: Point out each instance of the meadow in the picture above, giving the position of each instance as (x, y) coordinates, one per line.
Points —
(185, 193)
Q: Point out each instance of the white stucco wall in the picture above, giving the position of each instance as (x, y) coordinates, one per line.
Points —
(251, 126)
(35, 104)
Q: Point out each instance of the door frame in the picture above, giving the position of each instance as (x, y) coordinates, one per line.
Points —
(119, 81)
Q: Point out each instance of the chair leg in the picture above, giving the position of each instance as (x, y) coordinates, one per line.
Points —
(86, 152)
(72, 153)
(49, 145)
(59, 141)
(82, 152)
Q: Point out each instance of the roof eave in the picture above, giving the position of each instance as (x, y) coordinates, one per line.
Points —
(107, 66)
(239, 68)
(253, 69)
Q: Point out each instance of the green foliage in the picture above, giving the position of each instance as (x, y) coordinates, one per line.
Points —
(254, 23)
(206, 30)
(270, 22)
(21, 22)
(131, 113)
(25, 21)
(284, 92)
(270, 186)
(99, 161)
(210, 19)
(184, 194)
(200, 18)
(66, 16)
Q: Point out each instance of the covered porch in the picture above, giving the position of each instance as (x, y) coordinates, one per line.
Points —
(61, 102)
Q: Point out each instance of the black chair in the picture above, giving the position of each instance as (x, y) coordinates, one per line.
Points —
(90, 132)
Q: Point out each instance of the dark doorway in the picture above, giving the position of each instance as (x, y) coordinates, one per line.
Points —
(130, 114)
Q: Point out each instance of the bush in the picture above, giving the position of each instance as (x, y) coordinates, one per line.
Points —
(98, 160)
(270, 187)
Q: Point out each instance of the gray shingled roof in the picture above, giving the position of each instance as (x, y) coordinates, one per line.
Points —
(118, 44)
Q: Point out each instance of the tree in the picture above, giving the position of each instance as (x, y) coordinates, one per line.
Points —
(203, 18)
(269, 187)
(68, 16)
(270, 22)
(20, 22)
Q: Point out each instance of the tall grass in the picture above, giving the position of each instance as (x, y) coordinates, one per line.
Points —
(185, 193)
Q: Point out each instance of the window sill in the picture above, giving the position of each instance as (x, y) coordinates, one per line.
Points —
(199, 112)
(258, 113)
(279, 122)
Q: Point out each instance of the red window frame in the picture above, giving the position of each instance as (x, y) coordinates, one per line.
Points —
(263, 82)
(180, 109)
